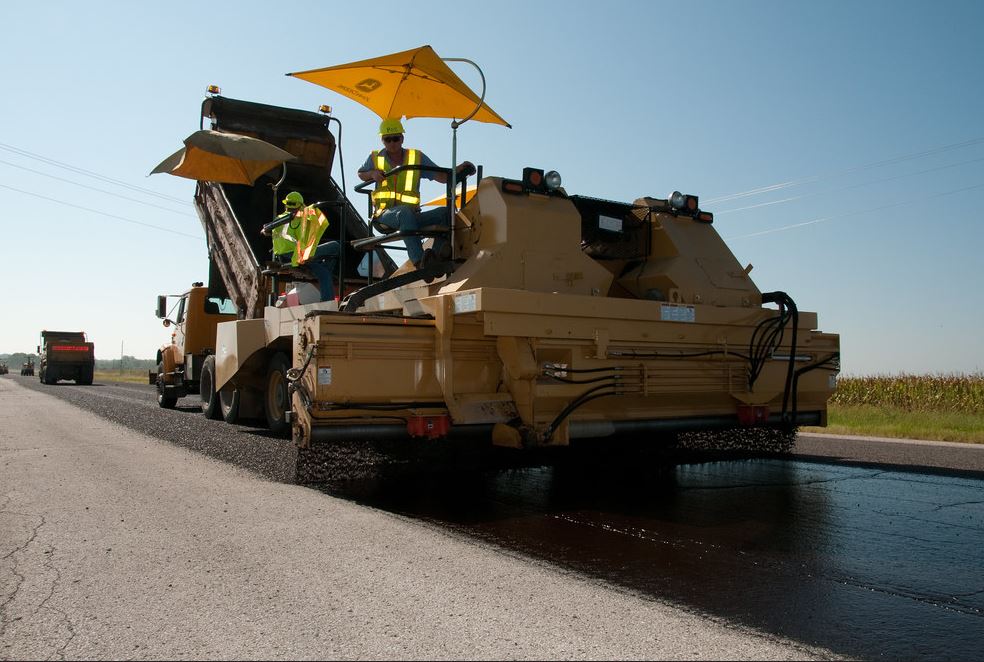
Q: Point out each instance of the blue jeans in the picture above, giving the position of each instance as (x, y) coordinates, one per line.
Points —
(405, 217)
(323, 264)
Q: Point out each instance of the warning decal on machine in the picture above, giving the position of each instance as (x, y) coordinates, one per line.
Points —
(672, 313)
(324, 376)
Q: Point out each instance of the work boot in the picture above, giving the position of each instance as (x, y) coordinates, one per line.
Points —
(444, 253)
(428, 259)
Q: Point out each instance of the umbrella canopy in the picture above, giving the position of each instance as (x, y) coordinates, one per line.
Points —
(414, 83)
(228, 158)
(442, 200)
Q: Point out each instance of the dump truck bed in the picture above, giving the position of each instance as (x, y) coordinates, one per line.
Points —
(233, 214)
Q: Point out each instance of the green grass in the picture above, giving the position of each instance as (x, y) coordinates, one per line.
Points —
(870, 421)
(129, 376)
(937, 407)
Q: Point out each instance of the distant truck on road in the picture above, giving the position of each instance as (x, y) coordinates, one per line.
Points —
(65, 355)
(27, 368)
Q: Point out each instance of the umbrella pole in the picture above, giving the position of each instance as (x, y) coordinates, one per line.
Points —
(275, 186)
(454, 148)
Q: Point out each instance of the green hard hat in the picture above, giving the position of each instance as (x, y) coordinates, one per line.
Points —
(293, 200)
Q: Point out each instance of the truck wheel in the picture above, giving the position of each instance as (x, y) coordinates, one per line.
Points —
(206, 386)
(229, 404)
(86, 377)
(40, 376)
(163, 401)
(275, 400)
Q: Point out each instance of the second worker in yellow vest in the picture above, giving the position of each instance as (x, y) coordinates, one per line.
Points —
(397, 198)
(296, 242)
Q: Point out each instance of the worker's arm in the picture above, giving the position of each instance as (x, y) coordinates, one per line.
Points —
(277, 222)
(371, 175)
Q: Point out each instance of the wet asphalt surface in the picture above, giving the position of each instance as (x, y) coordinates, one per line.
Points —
(869, 553)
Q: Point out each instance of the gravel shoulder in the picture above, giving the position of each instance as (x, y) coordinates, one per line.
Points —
(114, 544)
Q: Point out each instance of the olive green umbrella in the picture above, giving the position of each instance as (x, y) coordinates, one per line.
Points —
(228, 158)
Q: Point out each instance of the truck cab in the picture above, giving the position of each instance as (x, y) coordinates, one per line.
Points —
(194, 316)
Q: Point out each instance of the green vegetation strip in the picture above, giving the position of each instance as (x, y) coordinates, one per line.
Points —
(937, 407)
(129, 376)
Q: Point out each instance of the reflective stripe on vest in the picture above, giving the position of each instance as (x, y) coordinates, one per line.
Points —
(313, 224)
(314, 227)
(401, 189)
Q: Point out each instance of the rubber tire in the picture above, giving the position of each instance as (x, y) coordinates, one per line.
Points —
(163, 401)
(229, 404)
(86, 378)
(206, 386)
(276, 402)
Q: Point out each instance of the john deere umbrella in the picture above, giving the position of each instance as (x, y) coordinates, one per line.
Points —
(414, 83)
(223, 157)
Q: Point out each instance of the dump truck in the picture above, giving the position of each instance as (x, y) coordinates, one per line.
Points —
(557, 317)
(27, 368)
(65, 355)
(244, 376)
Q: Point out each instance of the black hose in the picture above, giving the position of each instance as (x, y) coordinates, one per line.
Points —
(784, 299)
(574, 404)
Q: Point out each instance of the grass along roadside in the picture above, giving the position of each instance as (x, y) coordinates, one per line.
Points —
(936, 407)
(871, 421)
(129, 376)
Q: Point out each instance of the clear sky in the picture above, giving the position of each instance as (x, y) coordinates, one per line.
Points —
(840, 144)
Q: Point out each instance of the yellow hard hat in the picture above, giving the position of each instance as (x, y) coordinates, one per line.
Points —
(390, 127)
(293, 200)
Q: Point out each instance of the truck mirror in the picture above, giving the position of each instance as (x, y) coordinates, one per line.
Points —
(161, 307)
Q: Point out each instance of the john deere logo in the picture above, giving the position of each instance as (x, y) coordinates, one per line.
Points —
(368, 85)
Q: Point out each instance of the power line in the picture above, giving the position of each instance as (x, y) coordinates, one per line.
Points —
(89, 173)
(824, 219)
(101, 213)
(847, 188)
(867, 166)
(93, 188)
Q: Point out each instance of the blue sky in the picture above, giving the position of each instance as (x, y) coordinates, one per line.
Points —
(861, 120)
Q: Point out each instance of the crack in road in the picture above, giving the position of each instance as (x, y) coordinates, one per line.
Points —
(4, 619)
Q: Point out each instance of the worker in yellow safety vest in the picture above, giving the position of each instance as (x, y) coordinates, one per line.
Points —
(296, 241)
(397, 198)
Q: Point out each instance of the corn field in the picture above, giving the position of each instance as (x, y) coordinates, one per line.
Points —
(962, 394)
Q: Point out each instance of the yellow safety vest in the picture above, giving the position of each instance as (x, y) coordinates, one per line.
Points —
(307, 235)
(283, 242)
(401, 189)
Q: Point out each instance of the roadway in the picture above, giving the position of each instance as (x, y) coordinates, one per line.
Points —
(123, 535)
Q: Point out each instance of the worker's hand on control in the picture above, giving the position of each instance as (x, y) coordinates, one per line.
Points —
(377, 176)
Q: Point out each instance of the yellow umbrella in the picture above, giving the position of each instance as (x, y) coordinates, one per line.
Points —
(228, 158)
(442, 200)
(414, 83)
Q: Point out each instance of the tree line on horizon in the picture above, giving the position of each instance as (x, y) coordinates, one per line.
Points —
(129, 362)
